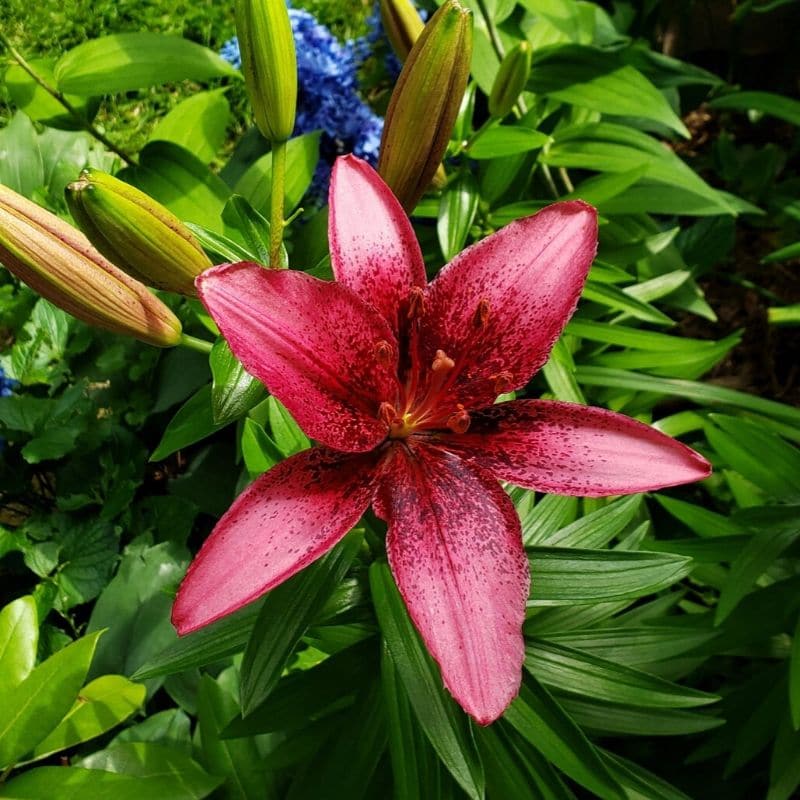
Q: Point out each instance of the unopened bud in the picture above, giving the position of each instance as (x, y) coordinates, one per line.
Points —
(136, 232)
(425, 103)
(510, 79)
(402, 24)
(269, 64)
(59, 262)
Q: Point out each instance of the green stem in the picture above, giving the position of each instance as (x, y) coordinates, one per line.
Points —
(494, 36)
(59, 96)
(193, 343)
(6, 772)
(276, 221)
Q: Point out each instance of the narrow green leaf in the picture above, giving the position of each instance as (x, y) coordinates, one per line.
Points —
(784, 768)
(444, 723)
(285, 614)
(775, 105)
(500, 141)
(193, 421)
(126, 61)
(233, 390)
(19, 637)
(551, 513)
(540, 720)
(562, 576)
(285, 431)
(639, 783)
(101, 705)
(614, 298)
(581, 673)
(700, 520)
(35, 707)
(597, 529)
(260, 453)
(457, 209)
(794, 678)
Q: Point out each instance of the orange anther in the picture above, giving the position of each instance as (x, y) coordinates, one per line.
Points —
(458, 422)
(481, 316)
(416, 302)
(442, 362)
(384, 353)
(503, 382)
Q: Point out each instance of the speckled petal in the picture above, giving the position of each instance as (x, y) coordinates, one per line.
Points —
(498, 307)
(373, 247)
(286, 519)
(456, 552)
(565, 448)
(327, 356)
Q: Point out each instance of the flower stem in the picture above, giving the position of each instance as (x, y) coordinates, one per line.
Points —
(59, 96)
(193, 343)
(276, 221)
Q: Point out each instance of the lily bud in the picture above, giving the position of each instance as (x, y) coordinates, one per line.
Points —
(59, 262)
(136, 232)
(402, 24)
(510, 79)
(425, 103)
(269, 64)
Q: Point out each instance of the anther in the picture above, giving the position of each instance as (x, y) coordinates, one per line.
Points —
(458, 422)
(481, 316)
(416, 302)
(383, 353)
(442, 362)
(388, 414)
(503, 382)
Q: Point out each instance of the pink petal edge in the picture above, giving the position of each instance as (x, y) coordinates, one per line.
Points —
(313, 344)
(455, 550)
(374, 250)
(530, 273)
(567, 448)
(287, 518)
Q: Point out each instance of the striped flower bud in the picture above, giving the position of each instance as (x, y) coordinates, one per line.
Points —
(136, 232)
(269, 64)
(402, 24)
(59, 262)
(425, 103)
(510, 79)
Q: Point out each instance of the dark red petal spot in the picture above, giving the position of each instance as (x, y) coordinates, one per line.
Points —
(481, 316)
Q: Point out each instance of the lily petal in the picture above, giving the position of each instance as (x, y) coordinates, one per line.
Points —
(455, 550)
(326, 355)
(566, 448)
(497, 308)
(373, 247)
(286, 519)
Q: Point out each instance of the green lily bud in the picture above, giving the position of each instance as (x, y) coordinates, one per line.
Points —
(425, 103)
(59, 262)
(402, 24)
(269, 64)
(510, 79)
(136, 233)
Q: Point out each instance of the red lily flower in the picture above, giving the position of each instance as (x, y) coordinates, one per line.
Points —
(396, 379)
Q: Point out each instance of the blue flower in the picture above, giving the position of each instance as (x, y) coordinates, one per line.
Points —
(7, 384)
(327, 97)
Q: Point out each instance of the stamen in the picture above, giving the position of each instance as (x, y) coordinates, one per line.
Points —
(503, 382)
(481, 316)
(388, 414)
(458, 422)
(442, 362)
(383, 353)
(416, 302)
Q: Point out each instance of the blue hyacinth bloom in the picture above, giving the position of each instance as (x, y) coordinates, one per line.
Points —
(327, 97)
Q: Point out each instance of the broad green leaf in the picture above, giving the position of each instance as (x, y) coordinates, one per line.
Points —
(302, 154)
(101, 705)
(600, 188)
(343, 769)
(457, 209)
(34, 708)
(21, 167)
(126, 61)
(259, 452)
(499, 141)
(774, 529)
(182, 182)
(225, 248)
(285, 614)
(197, 124)
(577, 672)
(212, 643)
(444, 723)
(690, 390)
(540, 720)
(252, 228)
(19, 636)
(171, 728)
(634, 645)
(775, 105)
(562, 576)
(611, 718)
(233, 390)
(193, 421)
(598, 528)
(794, 678)
(592, 78)
(285, 431)
(784, 768)
(238, 761)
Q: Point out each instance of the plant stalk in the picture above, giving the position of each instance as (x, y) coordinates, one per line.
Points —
(276, 221)
(193, 343)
